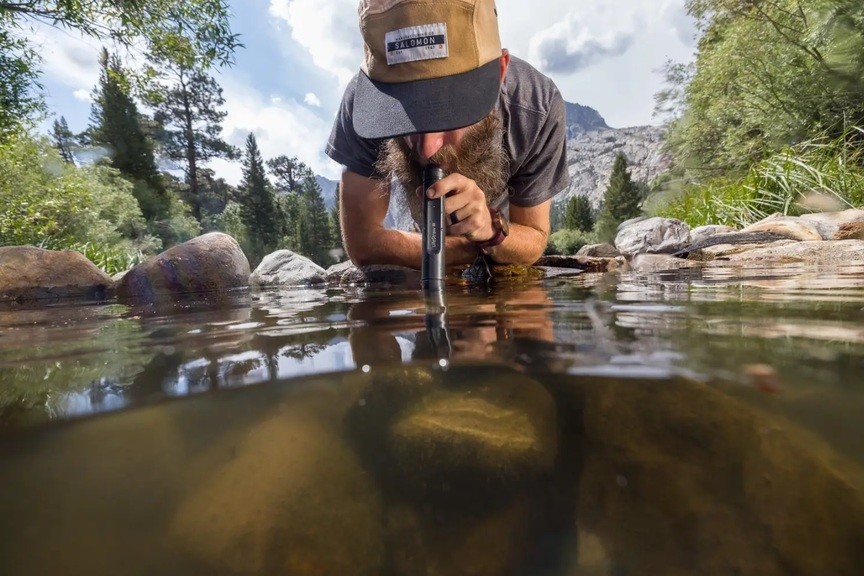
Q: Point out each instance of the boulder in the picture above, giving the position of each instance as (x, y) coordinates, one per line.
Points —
(791, 227)
(382, 275)
(702, 233)
(652, 235)
(605, 250)
(287, 268)
(205, 267)
(830, 224)
(29, 273)
(828, 252)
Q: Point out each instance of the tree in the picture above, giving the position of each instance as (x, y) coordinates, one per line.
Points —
(115, 124)
(621, 200)
(289, 175)
(258, 207)
(192, 30)
(63, 139)
(187, 105)
(579, 214)
(335, 222)
(314, 224)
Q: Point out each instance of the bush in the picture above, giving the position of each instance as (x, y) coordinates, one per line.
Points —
(566, 242)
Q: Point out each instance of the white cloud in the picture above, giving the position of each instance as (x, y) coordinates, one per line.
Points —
(328, 29)
(281, 126)
(312, 100)
(83, 95)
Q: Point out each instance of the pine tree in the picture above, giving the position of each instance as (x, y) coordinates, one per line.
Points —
(115, 123)
(335, 222)
(258, 206)
(621, 200)
(188, 104)
(63, 139)
(315, 238)
(579, 214)
(289, 175)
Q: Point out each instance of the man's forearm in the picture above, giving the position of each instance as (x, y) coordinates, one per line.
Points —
(524, 245)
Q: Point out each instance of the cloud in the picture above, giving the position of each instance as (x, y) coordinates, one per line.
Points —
(328, 29)
(312, 100)
(281, 126)
(583, 39)
(83, 95)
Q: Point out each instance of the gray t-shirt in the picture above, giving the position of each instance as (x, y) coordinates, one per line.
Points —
(532, 114)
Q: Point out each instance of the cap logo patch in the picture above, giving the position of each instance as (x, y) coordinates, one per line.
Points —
(416, 43)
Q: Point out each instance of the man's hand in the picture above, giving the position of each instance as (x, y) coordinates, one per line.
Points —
(466, 207)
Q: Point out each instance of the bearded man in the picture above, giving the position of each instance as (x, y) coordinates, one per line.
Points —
(436, 86)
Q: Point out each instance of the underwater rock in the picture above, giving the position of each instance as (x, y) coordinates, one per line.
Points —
(680, 478)
(30, 273)
(652, 235)
(287, 268)
(294, 499)
(204, 267)
(495, 435)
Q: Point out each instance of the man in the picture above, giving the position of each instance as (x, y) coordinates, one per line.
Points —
(436, 86)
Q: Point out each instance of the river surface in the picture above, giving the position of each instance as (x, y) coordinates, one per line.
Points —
(691, 422)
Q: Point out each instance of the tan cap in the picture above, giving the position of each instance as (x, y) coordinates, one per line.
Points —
(429, 66)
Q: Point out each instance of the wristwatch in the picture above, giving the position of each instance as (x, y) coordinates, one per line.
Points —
(501, 227)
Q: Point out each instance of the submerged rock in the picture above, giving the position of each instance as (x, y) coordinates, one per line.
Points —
(29, 273)
(204, 267)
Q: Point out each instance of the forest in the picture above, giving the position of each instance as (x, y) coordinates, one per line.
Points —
(136, 180)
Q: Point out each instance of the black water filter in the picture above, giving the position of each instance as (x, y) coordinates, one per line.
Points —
(433, 232)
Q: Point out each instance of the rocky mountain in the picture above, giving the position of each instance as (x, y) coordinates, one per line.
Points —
(592, 146)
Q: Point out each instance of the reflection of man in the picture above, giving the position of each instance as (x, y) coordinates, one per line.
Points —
(435, 86)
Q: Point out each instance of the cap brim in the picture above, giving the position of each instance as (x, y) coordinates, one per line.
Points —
(387, 110)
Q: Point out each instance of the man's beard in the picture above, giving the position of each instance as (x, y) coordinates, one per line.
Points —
(480, 156)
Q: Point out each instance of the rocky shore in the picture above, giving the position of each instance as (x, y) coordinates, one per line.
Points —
(213, 267)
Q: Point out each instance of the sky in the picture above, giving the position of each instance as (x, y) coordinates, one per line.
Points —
(286, 83)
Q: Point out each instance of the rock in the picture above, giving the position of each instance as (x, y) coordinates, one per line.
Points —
(827, 252)
(206, 267)
(790, 227)
(605, 250)
(333, 274)
(850, 231)
(652, 235)
(494, 435)
(381, 275)
(658, 263)
(286, 268)
(702, 233)
(294, 499)
(584, 263)
(829, 224)
(724, 251)
(29, 273)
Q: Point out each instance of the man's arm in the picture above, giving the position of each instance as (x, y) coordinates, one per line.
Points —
(529, 232)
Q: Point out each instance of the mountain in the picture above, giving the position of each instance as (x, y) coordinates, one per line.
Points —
(328, 190)
(591, 149)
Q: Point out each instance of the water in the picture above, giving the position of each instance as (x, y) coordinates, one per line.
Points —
(696, 422)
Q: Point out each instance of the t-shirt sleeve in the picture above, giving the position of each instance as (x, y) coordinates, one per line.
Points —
(345, 146)
(544, 173)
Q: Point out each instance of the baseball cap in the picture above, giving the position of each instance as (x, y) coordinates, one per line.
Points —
(429, 66)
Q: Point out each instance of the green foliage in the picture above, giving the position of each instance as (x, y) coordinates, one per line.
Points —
(63, 139)
(313, 228)
(259, 209)
(621, 201)
(768, 74)
(115, 124)
(191, 32)
(579, 214)
(567, 242)
(188, 112)
(47, 202)
(821, 165)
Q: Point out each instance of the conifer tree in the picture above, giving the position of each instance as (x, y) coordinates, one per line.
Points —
(258, 206)
(621, 200)
(335, 221)
(188, 109)
(63, 139)
(115, 123)
(579, 214)
(314, 224)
